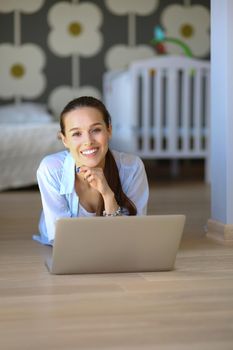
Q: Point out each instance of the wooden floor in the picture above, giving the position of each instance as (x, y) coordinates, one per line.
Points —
(188, 308)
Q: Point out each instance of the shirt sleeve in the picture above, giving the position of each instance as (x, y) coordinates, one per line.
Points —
(135, 185)
(54, 204)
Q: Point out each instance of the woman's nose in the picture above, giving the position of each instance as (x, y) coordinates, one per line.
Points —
(88, 139)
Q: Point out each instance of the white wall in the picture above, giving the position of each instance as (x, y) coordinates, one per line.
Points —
(222, 111)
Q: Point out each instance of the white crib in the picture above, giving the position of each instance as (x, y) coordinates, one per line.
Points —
(160, 108)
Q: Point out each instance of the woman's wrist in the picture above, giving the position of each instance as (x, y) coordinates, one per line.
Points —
(110, 204)
(117, 212)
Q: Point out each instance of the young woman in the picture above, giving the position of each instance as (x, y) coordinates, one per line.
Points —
(88, 179)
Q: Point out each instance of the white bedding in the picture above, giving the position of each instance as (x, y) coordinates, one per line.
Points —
(27, 134)
(22, 146)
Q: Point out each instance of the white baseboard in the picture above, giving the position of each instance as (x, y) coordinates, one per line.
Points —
(222, 233)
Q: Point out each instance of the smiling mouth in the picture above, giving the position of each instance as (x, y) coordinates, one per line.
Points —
(89, 152)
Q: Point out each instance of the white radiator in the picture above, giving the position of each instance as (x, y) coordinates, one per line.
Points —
(160, 108)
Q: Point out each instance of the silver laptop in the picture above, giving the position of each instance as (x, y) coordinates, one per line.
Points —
(116, 244)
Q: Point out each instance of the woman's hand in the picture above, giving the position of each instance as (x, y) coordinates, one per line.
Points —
(96, 179)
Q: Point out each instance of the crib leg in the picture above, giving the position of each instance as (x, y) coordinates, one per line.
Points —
(207, 170)
(175, 169)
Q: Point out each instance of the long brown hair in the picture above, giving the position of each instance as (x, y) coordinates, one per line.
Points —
(110, 170)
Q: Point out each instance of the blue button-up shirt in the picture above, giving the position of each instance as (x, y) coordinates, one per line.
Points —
(56, 180)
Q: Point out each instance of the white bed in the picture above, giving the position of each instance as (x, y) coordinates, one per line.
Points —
(27, 134)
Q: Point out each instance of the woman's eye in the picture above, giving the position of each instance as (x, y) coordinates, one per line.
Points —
(96, 130)
(77, 133)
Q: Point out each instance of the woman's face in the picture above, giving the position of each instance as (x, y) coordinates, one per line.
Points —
(86, 136)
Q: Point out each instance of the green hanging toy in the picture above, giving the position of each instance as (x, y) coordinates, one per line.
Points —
(160, 38)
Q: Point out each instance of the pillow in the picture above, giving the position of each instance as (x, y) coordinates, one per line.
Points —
(24, 113)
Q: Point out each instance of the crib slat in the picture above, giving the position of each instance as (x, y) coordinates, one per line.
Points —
(185, 117)
(146, 103)
(207, 108)
(134, 116)
(207, 124)
(197, 110)
(172, 108)
(158, 111)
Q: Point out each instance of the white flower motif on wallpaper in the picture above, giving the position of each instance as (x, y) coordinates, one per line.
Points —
(191, 25)
(26, 6)
(75, 29)
(21, 71)
(123, 7)
(63, 94)
(120, 56)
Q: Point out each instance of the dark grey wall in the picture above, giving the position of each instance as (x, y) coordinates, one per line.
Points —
(35, 29)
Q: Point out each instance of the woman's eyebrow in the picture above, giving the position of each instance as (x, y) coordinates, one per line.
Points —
(91, 126)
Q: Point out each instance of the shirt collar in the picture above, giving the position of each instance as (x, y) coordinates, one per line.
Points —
(68, 175)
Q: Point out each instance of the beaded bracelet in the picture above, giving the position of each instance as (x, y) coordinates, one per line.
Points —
(118, 212)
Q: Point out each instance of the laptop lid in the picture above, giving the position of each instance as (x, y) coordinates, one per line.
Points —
(116, 244)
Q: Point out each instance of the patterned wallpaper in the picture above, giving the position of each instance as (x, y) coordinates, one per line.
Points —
(52, 51)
